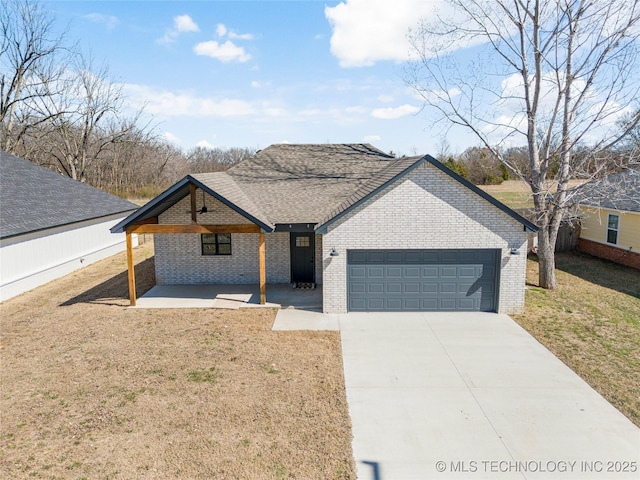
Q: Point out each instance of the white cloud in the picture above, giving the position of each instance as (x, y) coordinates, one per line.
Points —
(384, 98)
(371, 138)
(367, 31)
(225, 52)
(184, 23)
(108, 21)
(222, 30)
(169, 104)
(181, 24)
(171, 138)
(258, 84)
(204, 144)
(241, 36)
(390, 113)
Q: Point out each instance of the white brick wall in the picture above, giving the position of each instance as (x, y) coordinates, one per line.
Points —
(426, 209)
(179, 259)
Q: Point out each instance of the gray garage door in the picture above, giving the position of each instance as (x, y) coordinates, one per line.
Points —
(422, 280)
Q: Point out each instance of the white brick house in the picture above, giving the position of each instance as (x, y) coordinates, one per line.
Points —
(377, 233)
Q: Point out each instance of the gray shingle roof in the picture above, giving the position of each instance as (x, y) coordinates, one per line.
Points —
(34, 198)
(620, 191)
(305, 183)
(302, 184)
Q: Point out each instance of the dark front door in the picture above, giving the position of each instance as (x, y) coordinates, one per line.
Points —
(302, 257)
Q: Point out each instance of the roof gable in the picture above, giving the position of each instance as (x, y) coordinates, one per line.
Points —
(528, 226)
(401, 169)
(217, 184)
(34, 198)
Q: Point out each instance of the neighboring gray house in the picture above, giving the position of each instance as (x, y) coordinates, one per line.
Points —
(51, 225)
(379, 233)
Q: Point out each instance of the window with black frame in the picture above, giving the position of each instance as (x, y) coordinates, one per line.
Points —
(216, 243)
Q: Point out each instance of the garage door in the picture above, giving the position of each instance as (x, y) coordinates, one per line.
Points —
(422, 280)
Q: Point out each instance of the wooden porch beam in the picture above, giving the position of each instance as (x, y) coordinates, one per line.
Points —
(148, 221)
(131, 270)
(263, 270)
(192, 194)
(152, 228)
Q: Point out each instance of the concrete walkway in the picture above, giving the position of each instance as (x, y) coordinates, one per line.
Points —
(474, 396)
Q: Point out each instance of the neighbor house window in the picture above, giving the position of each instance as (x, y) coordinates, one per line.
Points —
(216, 243)
(612, 229)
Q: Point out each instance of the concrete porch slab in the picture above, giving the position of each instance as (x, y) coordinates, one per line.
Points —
(230, 297)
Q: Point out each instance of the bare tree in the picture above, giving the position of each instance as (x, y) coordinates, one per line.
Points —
(554, 75)
(86, 119)
(203, 159)
(32, 61)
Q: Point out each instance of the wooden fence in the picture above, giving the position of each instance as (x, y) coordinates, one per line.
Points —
(568, 234)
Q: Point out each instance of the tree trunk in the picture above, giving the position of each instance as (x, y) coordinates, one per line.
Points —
(546, 260)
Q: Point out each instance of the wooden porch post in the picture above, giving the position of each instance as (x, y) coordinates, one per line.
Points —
(263, 272)
(131, 270)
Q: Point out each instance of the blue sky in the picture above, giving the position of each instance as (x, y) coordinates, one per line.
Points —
(254, 73)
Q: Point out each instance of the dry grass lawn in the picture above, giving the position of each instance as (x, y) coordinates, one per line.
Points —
(93, 390)
(592, 323)
(516, 193)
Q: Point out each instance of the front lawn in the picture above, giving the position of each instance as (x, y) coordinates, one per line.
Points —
(592, 323)
(91, 389)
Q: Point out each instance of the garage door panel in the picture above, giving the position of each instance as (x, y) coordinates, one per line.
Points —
(411, 288)
(448, 304)
(358, 304)
(411, 272)
(413, 257)
(358, 272)
(467, 272)
(430, 280)
(448, 272)
(394, 287)
(375, 257)
(429, 272)
(396, 257)
(375, 272)
(412, 304)
(468, 256)
(394, 304)
(376, 304)
(393, 272)
(448, 288)
(430, 288)
(430, 304)
(467, 304)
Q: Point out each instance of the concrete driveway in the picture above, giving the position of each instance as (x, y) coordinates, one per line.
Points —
(472, 396)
